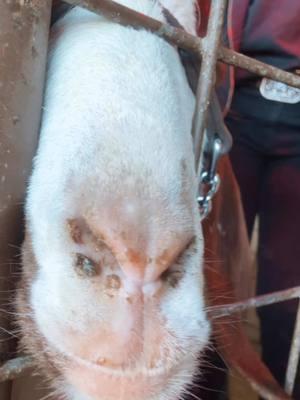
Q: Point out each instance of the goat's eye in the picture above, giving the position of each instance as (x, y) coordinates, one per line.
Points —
(86, 267)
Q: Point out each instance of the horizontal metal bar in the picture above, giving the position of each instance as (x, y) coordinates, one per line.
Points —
(257, 67)
(128, 17)
(258, 301)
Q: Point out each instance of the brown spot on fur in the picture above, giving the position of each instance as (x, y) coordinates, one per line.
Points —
(136, 258)
(101, 361)
(113, 282)
(183, 166)
(107, 363)
(81, 233)
(75, 231)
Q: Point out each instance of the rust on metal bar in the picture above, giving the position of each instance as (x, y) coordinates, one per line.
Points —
(207, 74)
(15, 368)
(293, 357)
(128, 17)
(257, 67)
(258, 301)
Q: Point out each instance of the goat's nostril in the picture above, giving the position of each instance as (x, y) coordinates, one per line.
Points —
(172, 278)
(133, 289)
(85, 267)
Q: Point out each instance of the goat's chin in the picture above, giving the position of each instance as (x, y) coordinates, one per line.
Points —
(89, 381)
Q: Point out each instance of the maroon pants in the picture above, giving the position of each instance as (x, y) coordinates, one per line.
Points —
(266, 161)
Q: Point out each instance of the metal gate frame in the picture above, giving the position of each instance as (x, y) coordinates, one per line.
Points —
(209, 50)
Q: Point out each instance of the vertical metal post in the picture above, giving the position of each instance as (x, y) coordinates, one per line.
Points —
(207, 73)
(24, 29)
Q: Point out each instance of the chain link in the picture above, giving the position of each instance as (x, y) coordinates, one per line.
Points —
(211, 187)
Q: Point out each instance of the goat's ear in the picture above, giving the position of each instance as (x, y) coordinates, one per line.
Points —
(189, 60)
(185, 13)
(192, 64)
(75, 229)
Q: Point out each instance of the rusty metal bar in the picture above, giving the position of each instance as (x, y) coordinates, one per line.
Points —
(264, 391)
(258, 301)
(15, 368)
(293, 357)
(128, 17)
(257, 67)
(207, 74)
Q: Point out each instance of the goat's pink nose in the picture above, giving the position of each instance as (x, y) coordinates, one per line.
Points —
(152, 288)
(140, 268)
(146, 266)
(136, 287)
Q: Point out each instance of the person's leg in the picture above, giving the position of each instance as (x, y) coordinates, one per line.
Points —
(279, 257)
(247, 163)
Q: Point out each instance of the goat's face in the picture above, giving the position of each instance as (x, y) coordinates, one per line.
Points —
(112, 293)
(117, 296)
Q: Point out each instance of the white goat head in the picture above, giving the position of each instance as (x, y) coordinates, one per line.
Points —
(112, 292)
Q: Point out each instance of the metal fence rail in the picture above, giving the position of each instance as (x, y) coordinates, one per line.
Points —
(265, 300)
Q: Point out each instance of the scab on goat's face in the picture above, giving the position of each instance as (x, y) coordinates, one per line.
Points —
(112, 269)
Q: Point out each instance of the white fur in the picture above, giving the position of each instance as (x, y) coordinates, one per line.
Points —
(116, 149)
(184, 11)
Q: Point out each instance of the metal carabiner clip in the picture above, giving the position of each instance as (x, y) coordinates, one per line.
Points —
(209, 179)
(215, 154)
